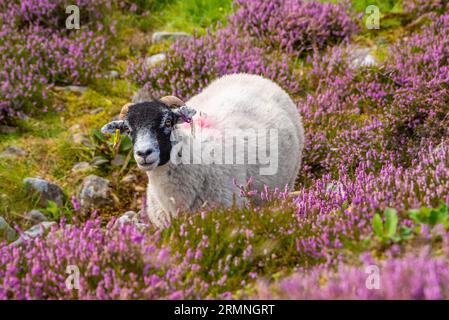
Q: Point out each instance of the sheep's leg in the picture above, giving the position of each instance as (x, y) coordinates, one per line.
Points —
(156, 214)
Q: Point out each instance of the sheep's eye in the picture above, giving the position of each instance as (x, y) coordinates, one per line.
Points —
(126, 129)
(168, 123)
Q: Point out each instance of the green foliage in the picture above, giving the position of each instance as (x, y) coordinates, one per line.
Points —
(431, 216)
(386, 231)
(194, 15)
(107, 152)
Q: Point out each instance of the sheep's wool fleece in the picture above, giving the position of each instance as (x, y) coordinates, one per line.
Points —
(237, 101)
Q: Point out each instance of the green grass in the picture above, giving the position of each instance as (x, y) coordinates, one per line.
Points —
(193, 15)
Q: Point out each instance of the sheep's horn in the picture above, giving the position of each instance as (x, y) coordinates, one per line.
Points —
(172, 101)
(124, 110)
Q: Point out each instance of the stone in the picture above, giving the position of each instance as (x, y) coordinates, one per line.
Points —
(79, 138)
(8, 129)
(128, 179)
(81, 166)
(35, 216)
(34, 232)
(96, 111)
(160, 36)
(118, 161)
(131, 217)
(13, 152)
(154, 60)
(95, 192)
(46, 191)
(75, 128)
(75, 89)
(113, 74)
(362, 57)
(6, 232)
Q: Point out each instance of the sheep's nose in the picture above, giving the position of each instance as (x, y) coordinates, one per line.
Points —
(144, 153)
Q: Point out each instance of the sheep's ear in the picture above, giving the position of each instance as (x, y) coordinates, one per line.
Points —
(184, 114)
(114, 125)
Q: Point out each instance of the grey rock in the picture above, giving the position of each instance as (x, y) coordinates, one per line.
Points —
(118, 161)
(163, 36)
(154, 60)
(113, 74)
(128, 179)
(95, 192)
(81, 166)
(46, 191)
(79, 138)
(8, 129)
(131, 217)
(35, 216)
(96, 111)
(72, 88)
(34, 232)
(75, 128)
(362, 57)
(6, 232)
(13, 152)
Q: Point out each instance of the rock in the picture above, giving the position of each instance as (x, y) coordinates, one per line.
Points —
(113, 74)
(75, 128)
(131, 217)
(163, 36)
(362, 57)
(13, 152)
(79, 138)
(34, 232)
(47, 191)
(154, 60)
(128, 179)
(8, 129)
(118, 161)
(81, 166)
(72, 88)
(35, 216)
(96, 111)
(6, 232)
(95, 192)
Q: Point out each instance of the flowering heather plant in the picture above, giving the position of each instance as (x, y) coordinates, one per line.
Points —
(113, 262)
(408, 277)
(241, 47)
(37, 52)
(376, 138)
(295, 26)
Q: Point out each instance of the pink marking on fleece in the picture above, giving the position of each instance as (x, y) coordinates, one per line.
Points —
(200, 122)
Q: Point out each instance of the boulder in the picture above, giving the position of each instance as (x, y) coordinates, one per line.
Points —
(81, 166)
(35, 216)
(154, 60)
(131, 217)
(95, 192)
(362, 57)
(164, 36)
(6, 232)
(13, 152)
(34, 232)
(46, 191)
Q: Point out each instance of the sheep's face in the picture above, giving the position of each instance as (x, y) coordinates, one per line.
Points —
(150, 124)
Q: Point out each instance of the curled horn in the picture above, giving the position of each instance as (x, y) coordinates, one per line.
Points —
(124, 110)
(172, 101)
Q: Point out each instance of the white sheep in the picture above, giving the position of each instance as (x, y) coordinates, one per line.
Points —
(188, 150)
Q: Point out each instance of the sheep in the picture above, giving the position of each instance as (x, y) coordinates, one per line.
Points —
(163, 132)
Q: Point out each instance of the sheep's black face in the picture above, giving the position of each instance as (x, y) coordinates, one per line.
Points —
(150, 124)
